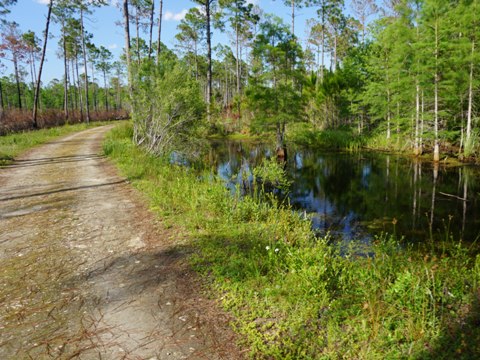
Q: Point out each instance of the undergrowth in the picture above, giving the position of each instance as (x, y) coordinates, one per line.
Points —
(330, 139)
(295, 296)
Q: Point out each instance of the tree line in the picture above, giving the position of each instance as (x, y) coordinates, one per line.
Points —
(400, 71)
(92, 81)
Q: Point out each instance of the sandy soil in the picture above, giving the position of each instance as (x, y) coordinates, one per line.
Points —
(87, 272)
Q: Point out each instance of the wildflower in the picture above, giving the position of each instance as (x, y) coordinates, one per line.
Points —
(267, 247)
(277, 250)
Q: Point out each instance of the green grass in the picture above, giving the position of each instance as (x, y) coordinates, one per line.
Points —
(332, 139)
(294, 296)
(241, 136)
(12, 145)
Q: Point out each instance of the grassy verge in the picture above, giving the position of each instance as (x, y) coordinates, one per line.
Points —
(294, 296)
(13, 144)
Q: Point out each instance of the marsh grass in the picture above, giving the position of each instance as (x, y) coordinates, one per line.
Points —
(331, 139)
(295, 296)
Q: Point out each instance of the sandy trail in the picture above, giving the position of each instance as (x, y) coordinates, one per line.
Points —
(87, 272)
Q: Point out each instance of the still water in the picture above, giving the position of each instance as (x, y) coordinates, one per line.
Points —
(359, 196)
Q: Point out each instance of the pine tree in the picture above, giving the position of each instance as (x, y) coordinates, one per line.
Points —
(436, 31)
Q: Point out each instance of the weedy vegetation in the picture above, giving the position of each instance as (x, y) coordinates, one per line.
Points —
(296, 296)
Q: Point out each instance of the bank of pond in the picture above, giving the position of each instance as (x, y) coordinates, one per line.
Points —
(361, 256)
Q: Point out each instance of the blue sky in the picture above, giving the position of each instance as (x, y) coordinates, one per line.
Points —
(104, 24)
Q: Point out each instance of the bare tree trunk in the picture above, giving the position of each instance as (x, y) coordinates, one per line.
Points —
(31, 72)
(470, 97)
(1, 101)
(416, 150)
(65, 81)
(17, 80)
(422, 123)
(94, 90)
(238, 66)
(75, 90)
(84, 50)
(78, 87)
(293, 17)
(323, 46)
(335, 53)
(137, 30)
(436, 149)
(209, 60)
(152, 13)
(388, 112)
(126, 24)
(237, 55)
(34, 67)
(105, 87)
(159, 45)
(225, 95)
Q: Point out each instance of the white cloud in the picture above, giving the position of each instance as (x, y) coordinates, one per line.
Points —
(112, 46)
(170, 16)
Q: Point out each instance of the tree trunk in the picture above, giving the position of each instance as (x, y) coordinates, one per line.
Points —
(84, 50)
(436, 149)
(470, 97)
(137, 30)
(196, 60)
(293, 17)
(422, 125)
(335, 53)
(152, 13)
(159, 45)
(323, 46)
(1, 101)
(238, 67)
(31, 72)
(94, 89)
(237, 55)
(209, 60)
(17, 80)
(126, 24)
(280, 143)
(65, 81)
(416, 150)
(388, 113)
(75, 89)
(106, 90)
(78, 87)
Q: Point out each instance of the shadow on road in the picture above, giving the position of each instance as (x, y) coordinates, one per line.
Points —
(25, 196)
(52, 160)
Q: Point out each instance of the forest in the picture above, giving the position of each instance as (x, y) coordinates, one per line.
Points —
(398, 75)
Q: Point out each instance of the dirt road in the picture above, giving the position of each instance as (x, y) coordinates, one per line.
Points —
(87, 272)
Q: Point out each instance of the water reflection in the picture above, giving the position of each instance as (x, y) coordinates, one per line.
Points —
(357, 196)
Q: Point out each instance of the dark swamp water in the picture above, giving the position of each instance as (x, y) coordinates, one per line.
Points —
(358, 196)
